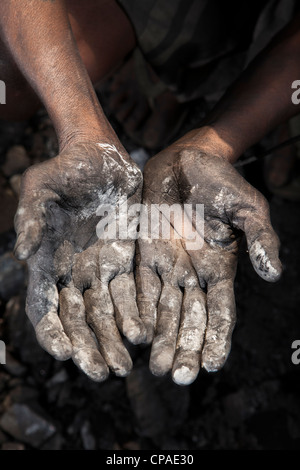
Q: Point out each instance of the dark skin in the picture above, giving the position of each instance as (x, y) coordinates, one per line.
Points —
(185, 291)
(60, 52)
(256, 104)
(69, 268)
(88, 43)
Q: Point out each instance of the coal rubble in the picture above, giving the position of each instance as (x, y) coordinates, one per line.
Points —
(253, 403)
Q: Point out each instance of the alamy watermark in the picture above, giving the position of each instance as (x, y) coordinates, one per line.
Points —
(296, 354)
(296, 94)
(2, 92)
(2, 352)
(152, 222)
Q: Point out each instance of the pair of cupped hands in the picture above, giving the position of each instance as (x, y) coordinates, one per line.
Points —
(86, 290)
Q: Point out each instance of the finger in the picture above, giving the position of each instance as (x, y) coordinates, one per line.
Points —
(148, 291)
(85, 352)
(100, 315)
(264, 254)
(164, 343)
(190, 338)
(220, 325)
(263, 243)
(41, 308)
(123, 293)
(30, 220)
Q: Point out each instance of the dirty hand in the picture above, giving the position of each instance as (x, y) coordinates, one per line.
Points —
(81, 287)
(185, 288)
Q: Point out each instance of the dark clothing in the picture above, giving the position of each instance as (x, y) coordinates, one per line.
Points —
(200, 46)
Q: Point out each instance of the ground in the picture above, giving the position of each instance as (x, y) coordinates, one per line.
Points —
(252, 403)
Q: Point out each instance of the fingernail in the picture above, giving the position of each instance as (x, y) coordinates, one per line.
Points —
(184, 376)
(19, 249)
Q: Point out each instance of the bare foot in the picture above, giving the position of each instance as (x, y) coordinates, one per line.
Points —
(151, 122)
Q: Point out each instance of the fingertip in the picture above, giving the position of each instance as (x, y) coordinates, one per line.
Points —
(135, 332)
(116, 357)
(161, 361)
(215, 352)
(22, 253)
(149, 332)
(265, 262)
(124, 369)
(59, 347)
(275, 273)
(91, 363)
(27, 244)
(157, 370)
(213, 364)
(54, 341)
(210, 367)
(183, 375)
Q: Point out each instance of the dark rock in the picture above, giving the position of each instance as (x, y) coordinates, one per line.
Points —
(23, 394)
(140, 157)
(3, 437)
(16, 161)
(14, 382)
(54, 385)
(13, 366)
(132, 445)
(7, 241)
(4, 379)
(159, 405)
(22, 336)
(12, 446)
(56, 442)
(25, 425)
(12, 276)
(15, 184)
(88, 440)
(9, 203)
(235, 407)
(11, 133)
(57, 379)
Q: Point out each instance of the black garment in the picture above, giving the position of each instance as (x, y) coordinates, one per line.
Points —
(199, 46)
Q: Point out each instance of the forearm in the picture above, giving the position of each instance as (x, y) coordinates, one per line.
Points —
(40, 39)
(260, 100)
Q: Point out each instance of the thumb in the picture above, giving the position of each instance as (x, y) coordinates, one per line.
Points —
(264, 253)
(30, 218)
(263, 243)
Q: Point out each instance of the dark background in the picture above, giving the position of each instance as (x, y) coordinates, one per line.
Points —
(252, 403)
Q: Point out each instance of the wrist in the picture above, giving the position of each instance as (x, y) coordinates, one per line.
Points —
(213, 141)
(91, 130)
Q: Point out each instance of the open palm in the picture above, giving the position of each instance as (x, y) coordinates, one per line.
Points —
(186, 290)
(81, 289)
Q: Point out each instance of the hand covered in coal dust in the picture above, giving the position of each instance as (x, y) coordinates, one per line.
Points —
(186, 289)
(81, 289)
